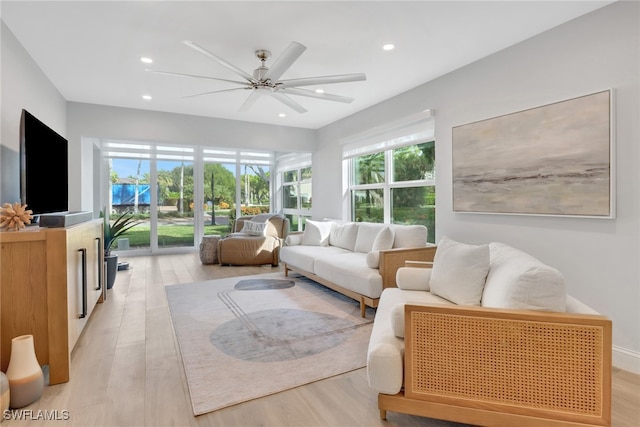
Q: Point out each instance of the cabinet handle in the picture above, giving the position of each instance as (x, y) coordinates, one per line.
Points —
(100, 261)
(84, 283)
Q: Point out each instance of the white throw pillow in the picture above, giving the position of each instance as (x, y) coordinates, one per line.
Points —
(316, 233)
(254, 228)
(373, 259)
(293, 240)
(367, 233)
(383, 241)
(343, 235)
(459, 272)
(518, 280)
(409, 236)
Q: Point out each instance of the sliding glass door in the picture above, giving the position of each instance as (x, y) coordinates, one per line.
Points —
(182, 193)
(176, 207)
(219, 195)
(129, 194)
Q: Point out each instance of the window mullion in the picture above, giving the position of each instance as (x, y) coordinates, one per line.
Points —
(388, 174)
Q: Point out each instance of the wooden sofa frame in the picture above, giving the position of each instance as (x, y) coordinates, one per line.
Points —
(496, 367)
(390, 261)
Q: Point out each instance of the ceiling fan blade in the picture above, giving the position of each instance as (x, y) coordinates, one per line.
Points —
(251, 99)
(289, 102)
(312, 94)
(284, 61)
(169, 73)
(323, 80)
(216, 91)
(220, 61)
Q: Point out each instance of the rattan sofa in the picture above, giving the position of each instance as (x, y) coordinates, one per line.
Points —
(490, 366)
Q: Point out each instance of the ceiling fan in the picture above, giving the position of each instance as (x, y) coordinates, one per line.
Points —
(265, 80)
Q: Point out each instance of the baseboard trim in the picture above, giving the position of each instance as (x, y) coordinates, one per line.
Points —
(626, 359)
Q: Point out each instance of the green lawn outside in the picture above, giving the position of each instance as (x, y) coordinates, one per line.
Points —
(169, 235)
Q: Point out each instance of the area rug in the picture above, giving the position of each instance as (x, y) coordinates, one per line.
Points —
(246, 337)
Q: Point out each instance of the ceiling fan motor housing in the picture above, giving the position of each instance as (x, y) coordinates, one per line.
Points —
(261, 71)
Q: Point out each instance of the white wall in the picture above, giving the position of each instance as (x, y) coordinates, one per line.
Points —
(90, 121)
(24, 86)
(599, 257)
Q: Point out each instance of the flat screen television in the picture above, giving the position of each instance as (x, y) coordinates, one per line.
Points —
(44, 177)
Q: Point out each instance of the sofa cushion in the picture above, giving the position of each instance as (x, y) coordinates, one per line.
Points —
(367, 232)
(459, 271)
(349, 270)
(409, 236)
(316, 233)
(383, 241)
(517, 280)
(397, 313)
(304, 257)
(343, 235)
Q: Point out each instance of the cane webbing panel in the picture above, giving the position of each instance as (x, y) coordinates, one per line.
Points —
(522, 363)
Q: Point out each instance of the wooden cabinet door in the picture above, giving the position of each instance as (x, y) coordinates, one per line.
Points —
(84, 283)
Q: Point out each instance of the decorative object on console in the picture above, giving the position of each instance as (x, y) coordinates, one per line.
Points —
(550, 160)
(26, 380)
(14, 217)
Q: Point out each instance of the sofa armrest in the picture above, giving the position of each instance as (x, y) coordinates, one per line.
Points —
(392, 259)
(512, 363)
(294, 238)
(413, 279)
(418, 264)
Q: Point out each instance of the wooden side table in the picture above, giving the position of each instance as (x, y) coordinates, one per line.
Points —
(209, 249)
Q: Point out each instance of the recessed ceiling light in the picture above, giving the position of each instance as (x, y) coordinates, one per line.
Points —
(146, 97)
(319, 90)
(146, 60)
(282, 115)
(388, 46)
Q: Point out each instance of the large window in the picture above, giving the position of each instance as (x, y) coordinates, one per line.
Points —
(297, 196)
(181, 193)
(395, 186)
(391, 173)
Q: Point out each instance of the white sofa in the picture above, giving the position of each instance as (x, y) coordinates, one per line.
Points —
(358, 259)
(517, 351)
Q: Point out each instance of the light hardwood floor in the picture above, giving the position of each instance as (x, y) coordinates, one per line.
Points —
(126, 369)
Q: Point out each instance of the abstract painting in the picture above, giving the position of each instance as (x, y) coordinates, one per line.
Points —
(549, 160)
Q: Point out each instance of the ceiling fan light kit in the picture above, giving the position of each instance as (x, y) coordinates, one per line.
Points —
(266, 80)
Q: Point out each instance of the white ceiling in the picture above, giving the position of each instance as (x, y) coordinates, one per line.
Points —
(90, 50)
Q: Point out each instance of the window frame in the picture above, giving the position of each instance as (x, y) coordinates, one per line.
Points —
(388, 183)
(300, 212)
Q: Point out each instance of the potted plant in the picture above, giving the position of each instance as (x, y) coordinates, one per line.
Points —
(112, 231)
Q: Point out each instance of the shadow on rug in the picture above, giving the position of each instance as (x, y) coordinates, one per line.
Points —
(242, 338)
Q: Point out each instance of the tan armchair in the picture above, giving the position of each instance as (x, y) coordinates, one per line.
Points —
(261, 247)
